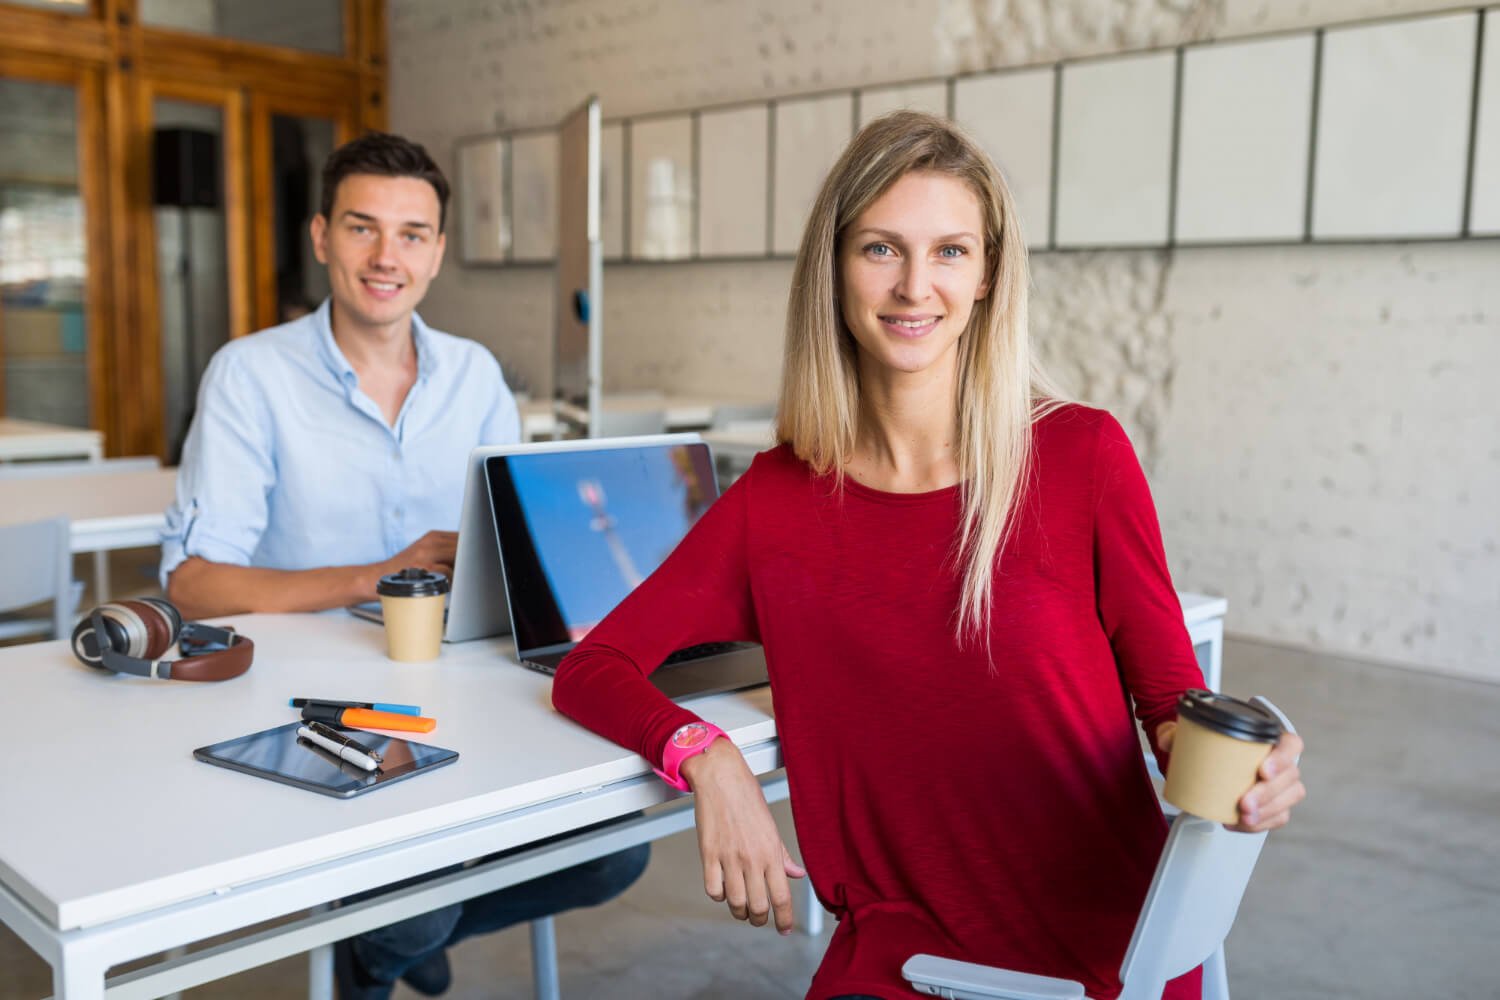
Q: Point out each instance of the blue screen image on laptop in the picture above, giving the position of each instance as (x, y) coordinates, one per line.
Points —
(597, 523)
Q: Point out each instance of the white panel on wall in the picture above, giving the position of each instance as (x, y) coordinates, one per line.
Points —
(1115, 151)
(931, 96)
(661, 188)
(1393, 124)
(810, 135)
(612, 189)
(1010, 115)
(533, 164)
(1242, 154)
(483, 222)
(1484, 209)
(732, 155)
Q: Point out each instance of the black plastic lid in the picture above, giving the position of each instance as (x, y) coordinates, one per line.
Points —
(1229, 716)
(412, 582)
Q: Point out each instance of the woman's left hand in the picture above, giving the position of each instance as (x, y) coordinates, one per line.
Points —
(1268, 804)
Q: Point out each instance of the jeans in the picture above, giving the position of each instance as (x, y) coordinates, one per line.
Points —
(387, 952)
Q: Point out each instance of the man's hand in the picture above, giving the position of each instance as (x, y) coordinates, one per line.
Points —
(745, 863)
(434, 551)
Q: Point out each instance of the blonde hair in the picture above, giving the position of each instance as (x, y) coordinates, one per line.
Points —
(1001, 390)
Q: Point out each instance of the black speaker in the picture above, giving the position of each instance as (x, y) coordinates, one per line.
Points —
(186, 168)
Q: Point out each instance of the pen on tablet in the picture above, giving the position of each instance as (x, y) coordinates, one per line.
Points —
(364, 718)
(376, 705)
(342, 748)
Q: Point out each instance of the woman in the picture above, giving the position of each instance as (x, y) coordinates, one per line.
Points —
(958, 580)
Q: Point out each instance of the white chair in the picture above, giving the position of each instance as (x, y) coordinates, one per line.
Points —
(1194, 896)
(38, 567)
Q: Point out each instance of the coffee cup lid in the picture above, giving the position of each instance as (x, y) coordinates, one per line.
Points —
(412, 582)
(1229, 716)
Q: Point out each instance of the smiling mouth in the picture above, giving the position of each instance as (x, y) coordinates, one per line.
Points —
(381, 287)
(910, 326)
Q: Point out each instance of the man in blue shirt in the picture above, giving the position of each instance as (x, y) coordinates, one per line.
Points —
(331, 450)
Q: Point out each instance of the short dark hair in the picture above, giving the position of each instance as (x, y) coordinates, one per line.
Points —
(384, 155)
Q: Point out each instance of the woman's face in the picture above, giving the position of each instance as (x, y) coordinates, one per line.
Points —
(911, 268)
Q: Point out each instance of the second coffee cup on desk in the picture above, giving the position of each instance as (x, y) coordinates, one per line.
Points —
(411, 601)
(1216, 753)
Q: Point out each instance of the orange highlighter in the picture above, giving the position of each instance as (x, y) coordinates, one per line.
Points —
(368, 718)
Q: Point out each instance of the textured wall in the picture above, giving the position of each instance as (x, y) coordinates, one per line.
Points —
(1317, 422)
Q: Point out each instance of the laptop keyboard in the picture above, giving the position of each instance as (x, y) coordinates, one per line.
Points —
(702, 651)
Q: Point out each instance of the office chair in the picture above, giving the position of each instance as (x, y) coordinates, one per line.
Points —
(38, 567)
(1194, 896)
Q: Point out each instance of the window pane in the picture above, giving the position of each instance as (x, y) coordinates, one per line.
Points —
(63, 6)
(42, 260)
(314, 25)
(298, 148)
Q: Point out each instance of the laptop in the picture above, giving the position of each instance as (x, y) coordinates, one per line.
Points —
(580, 524)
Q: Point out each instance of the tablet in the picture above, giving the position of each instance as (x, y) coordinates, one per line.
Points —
(280, 755)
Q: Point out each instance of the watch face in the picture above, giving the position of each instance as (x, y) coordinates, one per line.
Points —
(689, 736)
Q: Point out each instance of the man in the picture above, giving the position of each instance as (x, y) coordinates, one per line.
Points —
(331, 450)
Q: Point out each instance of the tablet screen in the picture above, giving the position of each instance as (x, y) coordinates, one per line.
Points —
(280, 755)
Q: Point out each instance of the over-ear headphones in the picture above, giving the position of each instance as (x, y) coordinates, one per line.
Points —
(130, 637)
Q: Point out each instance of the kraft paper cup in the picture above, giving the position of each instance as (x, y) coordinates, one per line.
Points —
(411, 602)
(1216, 754)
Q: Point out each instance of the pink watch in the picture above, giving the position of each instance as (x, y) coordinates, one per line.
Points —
(691, 739)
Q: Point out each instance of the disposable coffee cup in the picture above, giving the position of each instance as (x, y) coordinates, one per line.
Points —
(1216, 753)
(411, 601)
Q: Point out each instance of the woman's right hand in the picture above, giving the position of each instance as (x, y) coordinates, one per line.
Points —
(745, 862)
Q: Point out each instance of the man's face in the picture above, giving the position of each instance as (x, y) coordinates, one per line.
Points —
(382, 249)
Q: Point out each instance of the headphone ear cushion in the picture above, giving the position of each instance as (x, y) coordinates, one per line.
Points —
(159, 631)
(168, 612)
(83, 638)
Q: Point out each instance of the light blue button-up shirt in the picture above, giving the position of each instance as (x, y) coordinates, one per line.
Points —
(289, 465)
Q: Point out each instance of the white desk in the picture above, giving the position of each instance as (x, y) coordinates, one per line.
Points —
(105, 511)
(33, 440)
(681, 412)
(117, 844)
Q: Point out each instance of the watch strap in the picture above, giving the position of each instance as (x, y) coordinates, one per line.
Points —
(688, 741)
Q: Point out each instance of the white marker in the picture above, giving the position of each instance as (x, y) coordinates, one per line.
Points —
(340, 750)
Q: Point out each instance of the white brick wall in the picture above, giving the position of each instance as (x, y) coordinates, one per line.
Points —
(1319, 423)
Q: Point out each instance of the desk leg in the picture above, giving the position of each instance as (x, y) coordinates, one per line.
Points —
(101, 578)
(78, 978)
(320, 967)
(544, 958)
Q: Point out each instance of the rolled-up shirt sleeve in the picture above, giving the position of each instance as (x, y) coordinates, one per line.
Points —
(220, 509)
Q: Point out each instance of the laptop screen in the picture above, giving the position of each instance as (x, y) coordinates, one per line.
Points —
(580, 529)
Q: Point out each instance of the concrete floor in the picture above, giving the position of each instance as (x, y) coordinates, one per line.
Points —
(1386, 885)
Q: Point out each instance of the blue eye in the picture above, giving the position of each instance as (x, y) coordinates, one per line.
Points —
(953, 251)
(879, 250)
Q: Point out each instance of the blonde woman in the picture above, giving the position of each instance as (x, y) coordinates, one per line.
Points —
(960, 586)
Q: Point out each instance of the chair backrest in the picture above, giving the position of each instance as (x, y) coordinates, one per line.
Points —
(43, 470)
(1191, 904)
(628, 423)
(38, 566)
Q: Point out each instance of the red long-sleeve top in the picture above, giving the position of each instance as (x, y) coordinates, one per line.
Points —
(997, 814)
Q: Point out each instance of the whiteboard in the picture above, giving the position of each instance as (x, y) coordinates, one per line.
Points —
(661, 188)
(1393, 127)
(1484, 209)
(930, 96)
(733, 155)
(1010, 115)
(1245, 136)
(533, 159)
(612, 189)
(809, 136)
(1115, 151)
(480, 208)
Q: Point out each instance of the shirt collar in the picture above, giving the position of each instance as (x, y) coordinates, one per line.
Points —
(421, 335)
